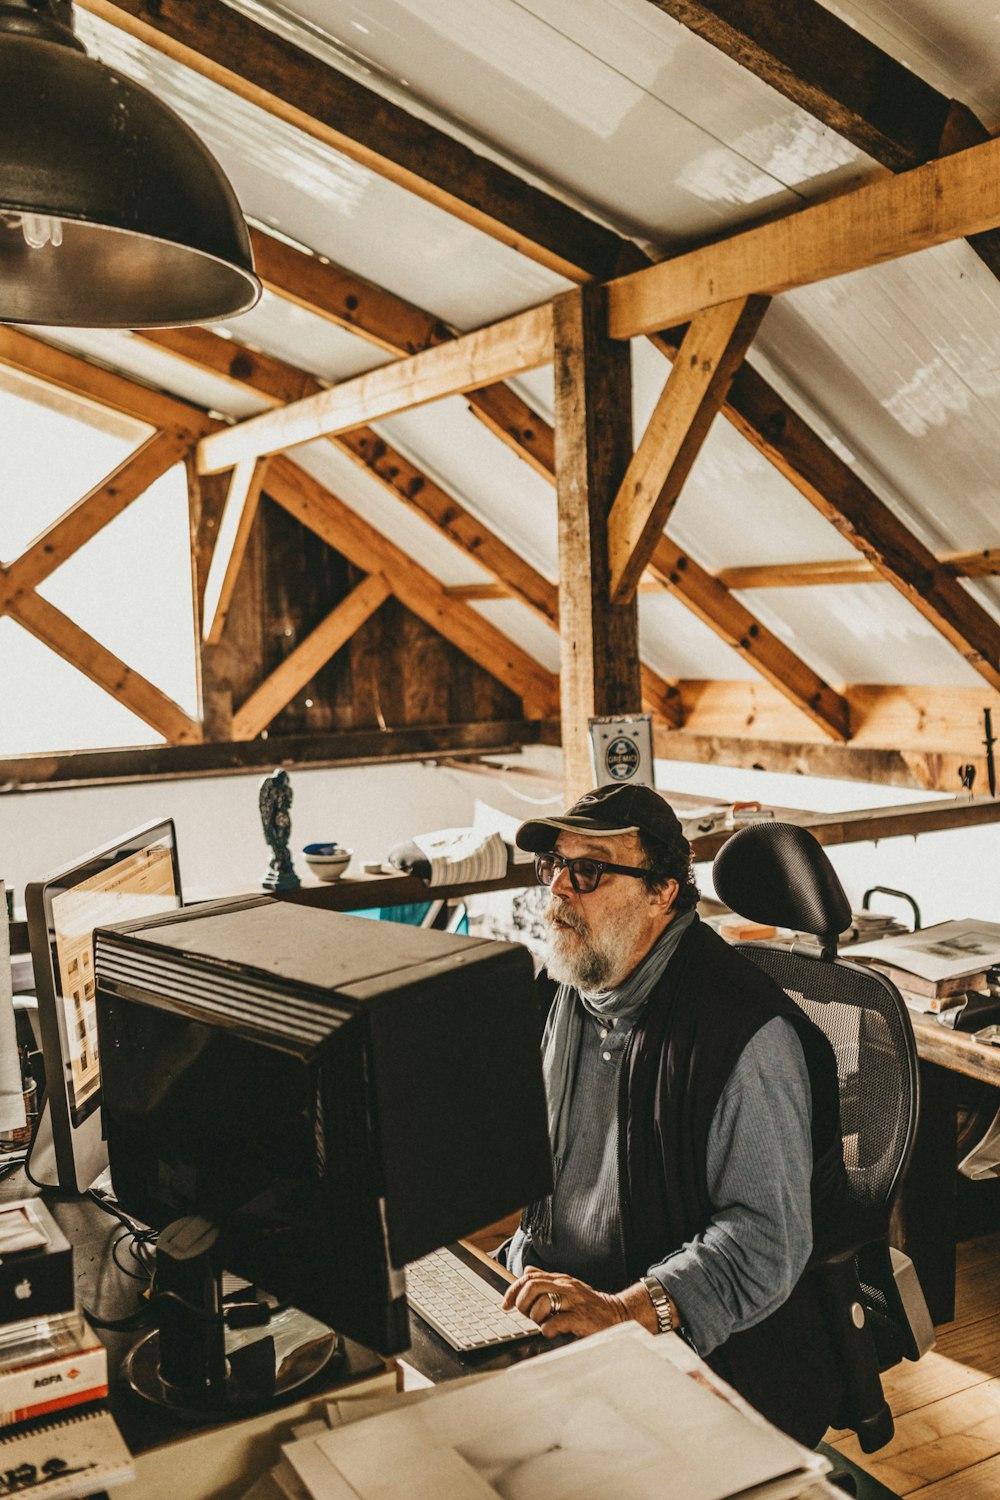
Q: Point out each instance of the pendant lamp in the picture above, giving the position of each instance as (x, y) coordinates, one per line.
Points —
(113, 214)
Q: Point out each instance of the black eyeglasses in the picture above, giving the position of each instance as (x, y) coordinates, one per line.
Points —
(584, 874)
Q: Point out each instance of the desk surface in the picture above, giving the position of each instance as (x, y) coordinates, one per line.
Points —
(956, 1050)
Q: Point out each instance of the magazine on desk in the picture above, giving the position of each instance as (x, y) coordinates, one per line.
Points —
(621, 1415)
(938, 954)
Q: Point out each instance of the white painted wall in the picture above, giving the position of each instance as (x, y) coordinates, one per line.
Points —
(219, 835)
(370, 808)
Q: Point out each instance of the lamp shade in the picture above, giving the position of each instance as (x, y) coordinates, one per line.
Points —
(151, 232)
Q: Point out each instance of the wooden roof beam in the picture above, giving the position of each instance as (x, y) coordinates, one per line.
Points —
(68, 372)
(327, 291)
(522, 342)
(982, 563)
(829, 69)
(946, 199)
(290, 83)
(833, 72)
(711, 351)
(63, 636)
(76, 526)
(706, 597)
(346, 531)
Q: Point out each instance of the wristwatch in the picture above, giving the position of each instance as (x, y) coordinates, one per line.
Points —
(662, 1305)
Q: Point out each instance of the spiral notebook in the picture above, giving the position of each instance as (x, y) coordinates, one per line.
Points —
(75, 1456)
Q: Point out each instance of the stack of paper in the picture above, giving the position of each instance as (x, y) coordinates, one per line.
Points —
(618, 1416)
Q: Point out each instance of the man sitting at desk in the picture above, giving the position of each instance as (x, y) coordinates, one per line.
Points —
(693, 1113)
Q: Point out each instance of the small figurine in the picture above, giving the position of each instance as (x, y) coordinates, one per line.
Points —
(275, 800)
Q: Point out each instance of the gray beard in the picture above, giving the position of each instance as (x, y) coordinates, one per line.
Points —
(586, 968)
(589, 966)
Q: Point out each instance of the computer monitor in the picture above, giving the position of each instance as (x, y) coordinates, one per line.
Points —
(337, 1096)
(136, 875)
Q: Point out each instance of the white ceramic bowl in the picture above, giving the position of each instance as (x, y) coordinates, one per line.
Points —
(326, 865)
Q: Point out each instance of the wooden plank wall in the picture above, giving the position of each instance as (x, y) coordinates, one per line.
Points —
(393, 673)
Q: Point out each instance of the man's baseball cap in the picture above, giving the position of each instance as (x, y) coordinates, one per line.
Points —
(605, 812)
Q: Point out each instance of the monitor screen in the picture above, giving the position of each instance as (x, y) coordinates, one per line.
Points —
(339, 1096)
(135, 876)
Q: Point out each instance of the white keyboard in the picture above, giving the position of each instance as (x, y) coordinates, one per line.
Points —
(459, 1305)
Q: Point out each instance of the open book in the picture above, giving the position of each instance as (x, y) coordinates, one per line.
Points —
(618, 1416)
(946, 951)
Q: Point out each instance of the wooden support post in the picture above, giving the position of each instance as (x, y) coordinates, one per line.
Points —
(599, 650)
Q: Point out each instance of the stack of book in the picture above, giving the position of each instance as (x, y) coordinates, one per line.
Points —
(869, 926)
(936, 967)
(56, 1437)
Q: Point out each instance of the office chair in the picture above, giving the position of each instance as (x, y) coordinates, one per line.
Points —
(778, 873)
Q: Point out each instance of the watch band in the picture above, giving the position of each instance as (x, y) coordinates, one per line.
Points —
(662, 1305)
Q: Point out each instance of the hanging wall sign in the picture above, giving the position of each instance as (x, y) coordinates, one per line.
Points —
(622, 749)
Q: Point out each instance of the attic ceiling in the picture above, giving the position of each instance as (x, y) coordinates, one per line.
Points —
(456, 163)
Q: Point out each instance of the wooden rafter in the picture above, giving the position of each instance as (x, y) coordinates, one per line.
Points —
(840, 77)
(522, 342)
(328, 291)
(84, 520)
(247, 368)
(515, 577)
(68, 372)
(348, 532)
(309, 656)
(829, 69)
(63, 636)
(227, 47)
(710, 354)
(982, 563)
(706, 597)
(889, 217)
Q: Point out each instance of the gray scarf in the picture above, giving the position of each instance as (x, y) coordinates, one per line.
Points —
(561, 1048)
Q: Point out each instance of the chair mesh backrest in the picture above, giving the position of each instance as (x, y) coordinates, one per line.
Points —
(865, 1021)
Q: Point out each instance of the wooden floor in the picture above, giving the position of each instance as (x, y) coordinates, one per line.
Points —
(947, 1406)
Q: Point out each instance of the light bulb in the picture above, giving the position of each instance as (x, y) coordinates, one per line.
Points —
(39, 230)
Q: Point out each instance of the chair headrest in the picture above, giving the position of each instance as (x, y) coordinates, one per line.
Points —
(779, 873)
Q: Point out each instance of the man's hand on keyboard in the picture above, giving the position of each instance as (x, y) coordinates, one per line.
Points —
(562, 1304)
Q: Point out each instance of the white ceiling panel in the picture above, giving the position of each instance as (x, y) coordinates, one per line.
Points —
(903, 363)
(289, 181)
(453, 447)
(524, 628)
(735, 508)
(675, 643)
(586, 95)
(860, 633)
(304, 340)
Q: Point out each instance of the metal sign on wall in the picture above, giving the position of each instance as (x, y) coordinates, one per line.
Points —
(622, 749)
